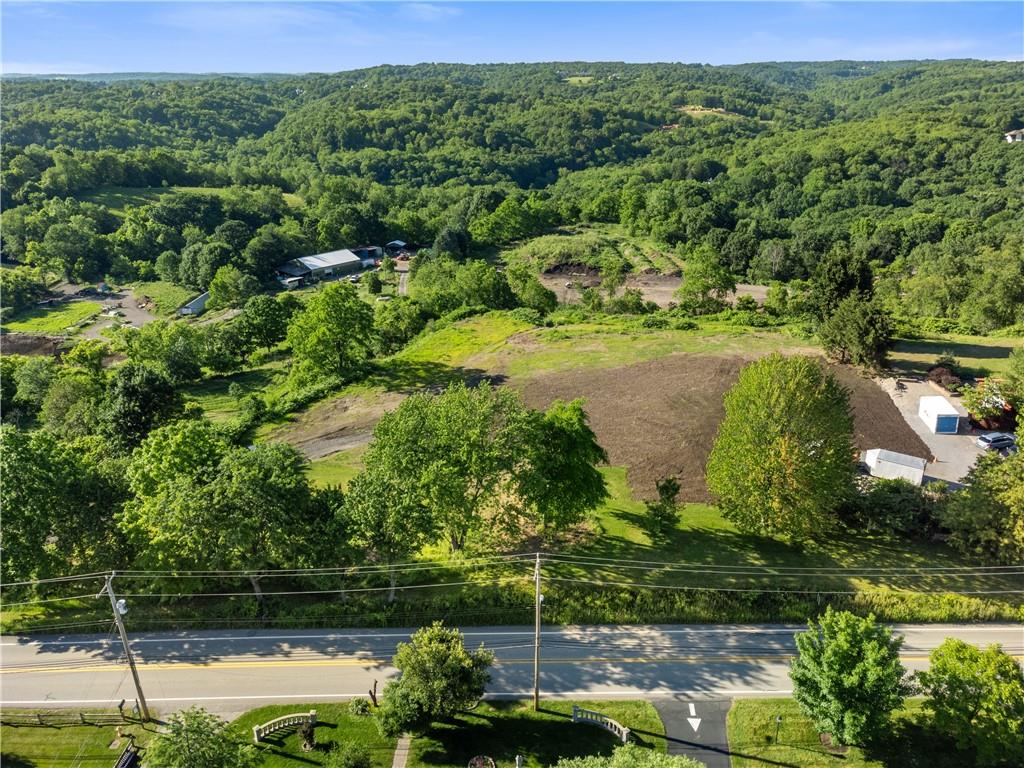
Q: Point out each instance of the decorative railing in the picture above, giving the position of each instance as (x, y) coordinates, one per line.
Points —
(601, 721)
(280, 723)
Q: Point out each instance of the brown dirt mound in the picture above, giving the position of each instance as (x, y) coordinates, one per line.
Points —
(30, 344)
(660, 417)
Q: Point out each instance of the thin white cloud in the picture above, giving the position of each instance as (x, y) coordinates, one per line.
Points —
(428, 12)
(235, 17)
(47, 68)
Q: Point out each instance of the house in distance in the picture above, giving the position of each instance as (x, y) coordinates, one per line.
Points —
(312, 269)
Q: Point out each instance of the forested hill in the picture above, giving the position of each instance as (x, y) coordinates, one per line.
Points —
(769, 165)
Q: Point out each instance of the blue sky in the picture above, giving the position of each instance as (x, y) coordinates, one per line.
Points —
(77, 37)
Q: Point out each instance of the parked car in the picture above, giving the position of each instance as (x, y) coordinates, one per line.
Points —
(1008, 452)
(996, 441)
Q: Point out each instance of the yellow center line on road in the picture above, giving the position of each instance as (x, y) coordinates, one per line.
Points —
(374, 662)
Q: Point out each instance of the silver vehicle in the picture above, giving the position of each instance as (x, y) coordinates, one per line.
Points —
(996, 441)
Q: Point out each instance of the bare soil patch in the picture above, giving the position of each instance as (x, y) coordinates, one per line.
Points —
(660, 417)
(30, 344)
(337, 424)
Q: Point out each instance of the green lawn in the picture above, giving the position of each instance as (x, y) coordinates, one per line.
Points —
(34, 746)
(117, 199)
(56, 319)
(212, 393)
(752, 729)
(334, 725)
(338, 468)
(502, 730)
(978, 355)
(167, 296)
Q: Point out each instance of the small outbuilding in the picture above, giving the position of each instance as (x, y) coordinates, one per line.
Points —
(895, 466)
(310, 269)
(197, 306)
(939, 415)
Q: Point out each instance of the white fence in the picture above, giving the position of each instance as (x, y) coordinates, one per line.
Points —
(601, 721)
(280, 723)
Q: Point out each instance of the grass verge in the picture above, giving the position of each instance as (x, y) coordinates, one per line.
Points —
(334, 726)
(502, 730)
(57, 319)
(166, 296)
(58, 746)
(752, 740)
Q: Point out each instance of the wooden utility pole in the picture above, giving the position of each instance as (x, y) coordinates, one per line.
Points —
(119, 609)
(537, 600)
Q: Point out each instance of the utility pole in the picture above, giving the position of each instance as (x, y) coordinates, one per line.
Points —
(538, 598)
(119, 608)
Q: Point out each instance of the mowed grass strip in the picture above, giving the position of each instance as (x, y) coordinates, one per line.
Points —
(752, 740)
(56, 319)
(335, 725)
(978, 355)
(337, 469)
(166, 296)
(502, 730)
(60, 746)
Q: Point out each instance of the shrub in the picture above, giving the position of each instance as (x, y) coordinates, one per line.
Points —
(654, 321)
(746, 304)
(944, 377)
(527, 315)
(359, 706)
(348, 755)
(896, 506)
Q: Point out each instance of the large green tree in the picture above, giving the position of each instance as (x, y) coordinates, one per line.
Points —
(986, 517)
(847, 676)
(783, 460)
(138, 400)
(437, 678)
(977, 697)
(195, 738)
(333, 335)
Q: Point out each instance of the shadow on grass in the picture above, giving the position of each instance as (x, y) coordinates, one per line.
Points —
(914, 743)
(400, 375)
(8, 760)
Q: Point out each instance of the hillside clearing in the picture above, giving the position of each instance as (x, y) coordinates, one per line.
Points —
(60, 318)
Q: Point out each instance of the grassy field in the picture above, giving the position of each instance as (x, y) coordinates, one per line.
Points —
(752, 729)
(978, 355)
(592, 244)
(34, 746)
(166, 296)
(334, 725)
(338, 468)
(212, 393)
(501, 730)
(117, 199)
(55, 319)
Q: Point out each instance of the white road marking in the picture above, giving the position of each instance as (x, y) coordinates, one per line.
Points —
(693, 711)
(694, 723)
(503, 633)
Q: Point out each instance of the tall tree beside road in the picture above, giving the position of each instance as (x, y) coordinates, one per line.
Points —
(986, 516)
(847, 676)
(977, 697)
(202, 505)
(438, 677)
(384, 516)
(476, 457)
(783, 458)
(196, 738)
(333, 335)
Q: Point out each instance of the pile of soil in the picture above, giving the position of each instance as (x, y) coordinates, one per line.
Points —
(31, 344)
(660, 417)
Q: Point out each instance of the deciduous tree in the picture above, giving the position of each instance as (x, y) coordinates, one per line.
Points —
(194, 738)
(333, 335)
(977, 697)
(783, 460)
(847, 676)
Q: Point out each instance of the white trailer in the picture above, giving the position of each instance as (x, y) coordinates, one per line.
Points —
(893, 466)
(939, 415)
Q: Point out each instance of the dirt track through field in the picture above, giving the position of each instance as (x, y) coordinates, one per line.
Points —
(660, 417)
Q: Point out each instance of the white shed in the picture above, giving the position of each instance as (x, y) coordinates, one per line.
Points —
(892, 465)
(940, 415)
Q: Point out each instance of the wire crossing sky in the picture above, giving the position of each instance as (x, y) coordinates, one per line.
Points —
(84, 37)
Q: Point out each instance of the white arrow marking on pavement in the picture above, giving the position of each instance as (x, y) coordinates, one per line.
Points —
(692, 719)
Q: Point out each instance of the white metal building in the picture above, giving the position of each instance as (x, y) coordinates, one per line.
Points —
(313, 268)
(939, 415)
(892, 465)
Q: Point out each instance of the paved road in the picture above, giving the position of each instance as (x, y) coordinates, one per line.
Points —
(231, 671)
(696, 728)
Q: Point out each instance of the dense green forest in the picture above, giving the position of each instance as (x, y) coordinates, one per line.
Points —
(875, 199)
(769, 166)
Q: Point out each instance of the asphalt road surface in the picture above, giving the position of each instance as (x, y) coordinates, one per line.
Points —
(231, 671)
